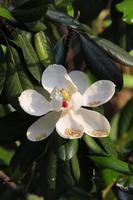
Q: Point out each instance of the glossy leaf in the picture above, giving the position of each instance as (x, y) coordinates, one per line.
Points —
(92, 144)
(111, 163)
(126, 6)
(126, 118)
(99, 63)
(117, 53)
(16, 80)
(5, 13)
(63, 18)
(75, 167)
(43, 49)
(31, 59)
(59, 52)
(65, 149)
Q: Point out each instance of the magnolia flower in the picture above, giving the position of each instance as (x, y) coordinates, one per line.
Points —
(68, 93)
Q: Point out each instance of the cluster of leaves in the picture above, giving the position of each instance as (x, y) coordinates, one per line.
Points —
(56, 168)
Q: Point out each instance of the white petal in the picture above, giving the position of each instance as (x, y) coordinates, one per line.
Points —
(53, 76)
(76, 100)
(98, 93)
(95, 124)
(68, 128)
(57, 100)
(33, 103)
(43, 127)
(80, 79)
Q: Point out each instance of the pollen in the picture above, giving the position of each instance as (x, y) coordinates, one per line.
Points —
(99, 133)
(66, 95)
(73, 133)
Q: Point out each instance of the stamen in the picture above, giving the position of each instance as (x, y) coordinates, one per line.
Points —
(99, 133)
(73, 133)
(66, 95)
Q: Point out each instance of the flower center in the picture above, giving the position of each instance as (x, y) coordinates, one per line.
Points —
(66, 98)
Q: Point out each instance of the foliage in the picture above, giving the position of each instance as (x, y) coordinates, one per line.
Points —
(34, 34)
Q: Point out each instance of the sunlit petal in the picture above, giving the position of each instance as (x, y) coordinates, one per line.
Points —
(68, 128)
(98, 93)
(54, 76)
(34, 103)
(76, 101)
(80, 79)
(43, 127)
(94, 123)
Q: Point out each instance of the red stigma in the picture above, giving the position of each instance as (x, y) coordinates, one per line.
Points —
(65, 104)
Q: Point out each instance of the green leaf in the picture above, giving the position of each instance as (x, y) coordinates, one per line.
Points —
(128, 80)
(26, 154)
(91, 143)
(31, 59)
(43, 49)
(6, 155)
(17, 80)
(36, 26)
(5, 13)
(65, 149)
(14, 126)
(29, 3)
(59, 52)
(126, 6)
(117, 53)
(26, 15)
(111, 163)
(48, 173)
(75, 167)
(3, 69)
(63, 18)
(99, 63)
(109, 146)
(126, 118)
(34, 197)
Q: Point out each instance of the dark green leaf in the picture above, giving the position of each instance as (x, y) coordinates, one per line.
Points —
(59, 52)
(14, 126)
(36, 26)
(111, 163)
(29, 3)
(5, 13)
(26, 154)
(27, 15)
(100, 63)
(16, 80)
(3, 69)
(109, 146)
(75, 167)
(6, 155)
(126, 118)
(48, 173)
(65, 149)
(92, 144)
(117, 53)
(63, 18)
(30, 56)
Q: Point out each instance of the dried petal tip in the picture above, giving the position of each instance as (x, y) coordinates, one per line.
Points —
(73, 133)
(99, 133)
